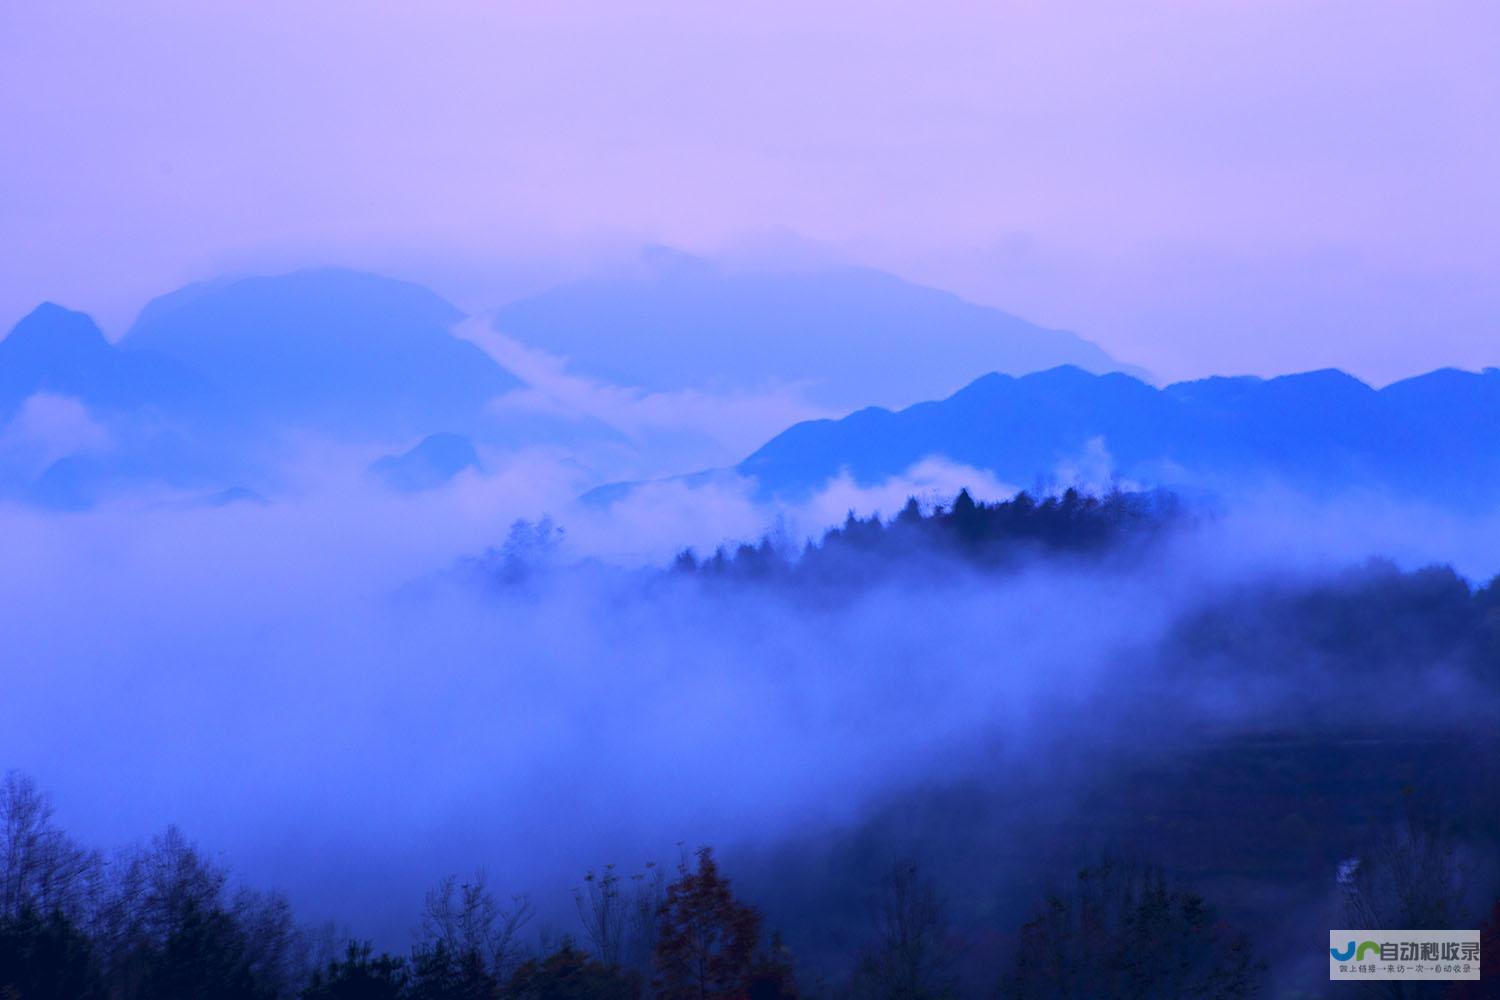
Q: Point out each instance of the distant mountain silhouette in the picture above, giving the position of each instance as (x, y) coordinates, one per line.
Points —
(143, 456)
(235, 495)
(152, 412)
(434, 460)
(852, 335)
(59, 351)
(194, 394)
(1430, 437)
(332, 349)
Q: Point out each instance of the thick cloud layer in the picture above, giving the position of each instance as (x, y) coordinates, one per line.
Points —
(309, 690)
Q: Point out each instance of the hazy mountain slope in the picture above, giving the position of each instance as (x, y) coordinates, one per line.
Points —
(430, 463)
(197, 393)
(62, 352)
(1430, 437)
(80, 418)
(854, 336)
(334, 349)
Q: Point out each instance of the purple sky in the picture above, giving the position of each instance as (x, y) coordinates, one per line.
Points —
(1199, 187)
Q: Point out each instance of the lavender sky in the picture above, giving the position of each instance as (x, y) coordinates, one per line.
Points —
(1199, 187)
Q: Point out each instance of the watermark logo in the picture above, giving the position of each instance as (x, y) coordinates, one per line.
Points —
(1409, 954)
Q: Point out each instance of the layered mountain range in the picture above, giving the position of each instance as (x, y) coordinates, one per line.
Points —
(208, 385)
(1434, 437)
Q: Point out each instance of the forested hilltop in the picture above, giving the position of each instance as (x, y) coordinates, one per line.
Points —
(985, 536)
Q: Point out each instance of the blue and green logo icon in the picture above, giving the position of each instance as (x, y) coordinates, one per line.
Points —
(1348, 952)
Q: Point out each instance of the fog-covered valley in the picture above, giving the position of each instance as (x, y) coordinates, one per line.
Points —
(348, 713)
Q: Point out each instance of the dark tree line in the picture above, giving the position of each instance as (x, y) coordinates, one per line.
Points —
(985, 535)
(1124, 931)
(162, 923)
(156, 921)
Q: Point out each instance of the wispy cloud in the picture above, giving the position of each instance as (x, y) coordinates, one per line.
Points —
(672, 432)
(46, 428)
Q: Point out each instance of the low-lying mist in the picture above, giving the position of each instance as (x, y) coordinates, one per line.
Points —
(324, 694)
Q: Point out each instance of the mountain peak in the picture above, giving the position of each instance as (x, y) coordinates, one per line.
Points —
(326, 347)
(54, 329)
(1322, 380)
(433, 461)
(292, 292)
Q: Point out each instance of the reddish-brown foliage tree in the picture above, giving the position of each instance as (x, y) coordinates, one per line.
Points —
(707, 948)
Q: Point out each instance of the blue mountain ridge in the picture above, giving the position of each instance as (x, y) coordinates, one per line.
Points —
(1432, 437)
